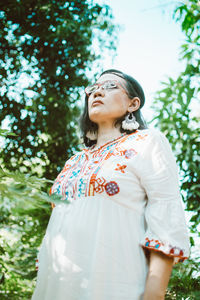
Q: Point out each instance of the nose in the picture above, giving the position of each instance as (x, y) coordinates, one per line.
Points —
(99, 92)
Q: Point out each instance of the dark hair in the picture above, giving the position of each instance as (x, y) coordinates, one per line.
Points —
(134, 89)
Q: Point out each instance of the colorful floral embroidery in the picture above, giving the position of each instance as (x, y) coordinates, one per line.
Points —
(112, 188)
(66, 167)
(121, 168)
(81, 187)
(176, 251)
(129, 153)
(168, 249)
(99, 185)
(79, 175)
(141, 137)
(153, 243)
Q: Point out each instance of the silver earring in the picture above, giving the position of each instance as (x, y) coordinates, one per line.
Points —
(130, 122)
(91, 135)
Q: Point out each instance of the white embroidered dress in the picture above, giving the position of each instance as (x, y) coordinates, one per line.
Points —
(124, 197)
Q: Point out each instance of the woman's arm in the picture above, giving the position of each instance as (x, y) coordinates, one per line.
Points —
(160, 267)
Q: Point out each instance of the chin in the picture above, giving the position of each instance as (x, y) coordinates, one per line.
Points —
(96, 117)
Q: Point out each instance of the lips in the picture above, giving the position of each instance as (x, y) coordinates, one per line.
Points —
(96, 102)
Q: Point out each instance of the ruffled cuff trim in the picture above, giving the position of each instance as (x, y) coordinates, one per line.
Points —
(169, 250)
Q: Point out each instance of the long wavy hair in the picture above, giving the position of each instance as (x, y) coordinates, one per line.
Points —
(133, 89)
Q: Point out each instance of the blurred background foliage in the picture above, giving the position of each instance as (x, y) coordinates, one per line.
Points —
(177, 114)
(46, 55)
(46, 48)
(177, 109)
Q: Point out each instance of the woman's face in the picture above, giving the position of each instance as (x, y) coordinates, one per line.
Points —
(107, 105)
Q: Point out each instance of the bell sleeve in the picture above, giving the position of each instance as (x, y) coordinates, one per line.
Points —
(166, 229)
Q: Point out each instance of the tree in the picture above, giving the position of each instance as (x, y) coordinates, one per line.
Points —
(177, 111)
(46, 50)
(24, 214)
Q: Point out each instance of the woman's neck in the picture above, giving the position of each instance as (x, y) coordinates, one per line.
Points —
(107, 134)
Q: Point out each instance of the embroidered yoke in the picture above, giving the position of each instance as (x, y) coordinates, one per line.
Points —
(124, 199)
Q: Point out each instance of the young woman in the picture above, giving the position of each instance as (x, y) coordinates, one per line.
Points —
(124, 227)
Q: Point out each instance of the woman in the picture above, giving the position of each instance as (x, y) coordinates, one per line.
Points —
(124, 227)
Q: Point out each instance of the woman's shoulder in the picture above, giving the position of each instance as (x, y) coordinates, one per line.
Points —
(151, 132)
(148, 140)
(152, 148)
(75, 157)
(147, 135)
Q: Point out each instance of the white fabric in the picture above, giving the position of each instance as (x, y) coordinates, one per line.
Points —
(93, 247)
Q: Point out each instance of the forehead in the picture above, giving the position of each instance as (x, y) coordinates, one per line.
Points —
(106, 77)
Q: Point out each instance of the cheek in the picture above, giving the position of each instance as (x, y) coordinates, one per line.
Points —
(121, 103)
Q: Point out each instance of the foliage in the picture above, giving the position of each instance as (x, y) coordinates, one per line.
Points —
(46, 49)
(46, 52)
(42, 112)
(183, 283)
(177, 114)
(178, 110)
(24, 214)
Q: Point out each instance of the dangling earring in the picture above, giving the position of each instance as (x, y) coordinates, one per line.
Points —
(91, 135)
(130, 122)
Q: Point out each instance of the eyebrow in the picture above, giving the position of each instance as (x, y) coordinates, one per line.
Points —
(100, 82)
